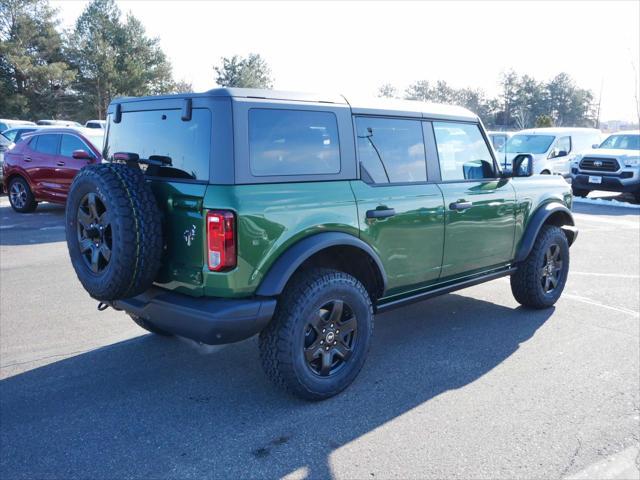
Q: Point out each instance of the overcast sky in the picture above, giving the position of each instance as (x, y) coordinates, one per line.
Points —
(357, 46)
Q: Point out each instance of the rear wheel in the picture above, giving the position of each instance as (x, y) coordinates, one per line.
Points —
(21, 197)
(319, 337)
(545, 172)
(540, 279)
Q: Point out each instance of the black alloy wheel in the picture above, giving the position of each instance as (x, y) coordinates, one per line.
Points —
(551, 268)
(94, 232)
(329, 338)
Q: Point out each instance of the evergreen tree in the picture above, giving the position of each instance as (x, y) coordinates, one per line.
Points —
(250, 72)
(34, 76)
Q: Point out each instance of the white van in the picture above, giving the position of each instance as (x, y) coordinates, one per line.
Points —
(553, 149)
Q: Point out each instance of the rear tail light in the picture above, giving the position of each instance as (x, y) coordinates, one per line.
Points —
(221, 240)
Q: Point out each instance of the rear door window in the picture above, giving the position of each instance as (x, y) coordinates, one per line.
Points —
(47, 144)
(391, 150)
(293, 142)
(164, 133)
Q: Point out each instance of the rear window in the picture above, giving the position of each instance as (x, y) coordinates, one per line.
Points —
(164, 133)
(293, 142)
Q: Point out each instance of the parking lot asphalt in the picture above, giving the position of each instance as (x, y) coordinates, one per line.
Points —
(467, 385)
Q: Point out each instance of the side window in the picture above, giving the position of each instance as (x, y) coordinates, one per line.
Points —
(70, 143)
(11, 134)
(46, 144)
(462, 152)
(498, 141)
(391, 150)
(293, 142)
(563, 145)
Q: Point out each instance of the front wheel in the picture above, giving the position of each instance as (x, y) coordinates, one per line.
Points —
(540, 279)
(319, 337)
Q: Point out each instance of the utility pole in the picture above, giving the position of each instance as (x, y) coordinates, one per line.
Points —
(599, 103)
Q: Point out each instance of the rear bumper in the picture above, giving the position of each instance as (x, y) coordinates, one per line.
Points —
(208, 320)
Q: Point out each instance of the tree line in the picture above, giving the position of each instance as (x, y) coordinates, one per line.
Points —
(522, 102)
(48, 72)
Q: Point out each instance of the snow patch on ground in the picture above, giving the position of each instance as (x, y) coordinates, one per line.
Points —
(609, 203)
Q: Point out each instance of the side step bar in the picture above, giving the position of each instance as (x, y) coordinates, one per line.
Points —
(451, 287)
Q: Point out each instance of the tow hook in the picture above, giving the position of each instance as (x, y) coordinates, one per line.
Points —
(102, 306)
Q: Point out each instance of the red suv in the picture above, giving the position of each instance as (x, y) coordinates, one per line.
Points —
(42, 165)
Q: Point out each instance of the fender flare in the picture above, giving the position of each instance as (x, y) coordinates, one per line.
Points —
(538, 219)
(283, 268)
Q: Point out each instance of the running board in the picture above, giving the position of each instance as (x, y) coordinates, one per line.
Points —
(444, 289)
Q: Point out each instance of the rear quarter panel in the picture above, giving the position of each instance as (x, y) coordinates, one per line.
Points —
(534, 192)
(271, 218)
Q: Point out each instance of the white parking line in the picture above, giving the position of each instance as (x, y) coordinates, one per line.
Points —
(578, 298)
(584, 218)
(613, 275)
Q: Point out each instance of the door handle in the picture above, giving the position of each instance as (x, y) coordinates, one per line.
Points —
(60, 163)
(381, 213)
(27, 159)
(461, 205)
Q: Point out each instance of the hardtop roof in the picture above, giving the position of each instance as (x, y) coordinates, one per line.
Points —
(372, 106)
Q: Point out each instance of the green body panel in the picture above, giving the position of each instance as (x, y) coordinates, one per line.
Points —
(181, 204)
(483, 235)
(533, 193)
(271, 218)
(410, 243)
(424, 245)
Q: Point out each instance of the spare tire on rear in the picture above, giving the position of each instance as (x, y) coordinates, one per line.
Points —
(114, 231)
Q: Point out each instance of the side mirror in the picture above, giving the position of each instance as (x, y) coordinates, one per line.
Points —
(522, 165)
(82, 155)
(559, 153)
(595, 145)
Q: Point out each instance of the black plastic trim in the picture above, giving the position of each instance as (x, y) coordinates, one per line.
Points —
(213, 321)
(535, 224)
(278, 275)
(441, 290)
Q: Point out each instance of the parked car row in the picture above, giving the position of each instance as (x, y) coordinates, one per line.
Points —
(43, 163)
(613, 166)
(574, 153)
(577, 153)
(7, 124)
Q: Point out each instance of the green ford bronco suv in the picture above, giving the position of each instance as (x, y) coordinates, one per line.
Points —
(222, 215)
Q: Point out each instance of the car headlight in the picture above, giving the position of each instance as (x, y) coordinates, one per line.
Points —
(632, 162)
(576, 160)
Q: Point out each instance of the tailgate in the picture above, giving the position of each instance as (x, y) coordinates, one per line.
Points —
(184, 235)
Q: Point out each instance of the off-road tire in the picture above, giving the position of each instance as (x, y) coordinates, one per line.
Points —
(526, 283)
(136, 231)
(579, 192)
(30, 202)
(142, 323)
(282, 341)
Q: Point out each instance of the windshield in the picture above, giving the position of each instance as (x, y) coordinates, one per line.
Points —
(622, 142)
(96, 138)
(529, 143)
